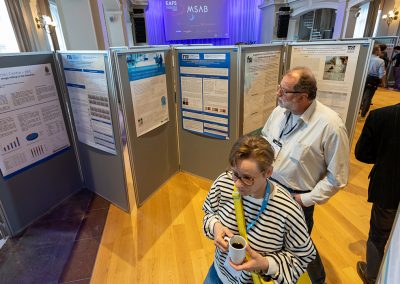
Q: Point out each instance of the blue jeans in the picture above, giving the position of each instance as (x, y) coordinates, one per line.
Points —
(212, 276)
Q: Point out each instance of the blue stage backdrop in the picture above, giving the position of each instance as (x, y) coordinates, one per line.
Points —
(242, 24)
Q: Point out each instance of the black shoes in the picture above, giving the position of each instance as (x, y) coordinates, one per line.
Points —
(361, 269)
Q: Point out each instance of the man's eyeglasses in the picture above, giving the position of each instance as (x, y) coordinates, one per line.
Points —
(281, 90)
(244, 179)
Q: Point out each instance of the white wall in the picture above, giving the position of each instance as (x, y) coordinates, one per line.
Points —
(77, 24)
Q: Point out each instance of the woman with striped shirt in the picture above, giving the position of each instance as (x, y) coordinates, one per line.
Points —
(279, 244)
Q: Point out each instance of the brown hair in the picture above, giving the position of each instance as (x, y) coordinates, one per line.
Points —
(306, 81)
(255, 147)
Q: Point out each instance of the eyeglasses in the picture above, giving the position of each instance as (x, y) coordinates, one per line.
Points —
(244, 179)
(279, 89)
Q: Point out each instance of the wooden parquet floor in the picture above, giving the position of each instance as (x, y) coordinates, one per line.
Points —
(162, 241)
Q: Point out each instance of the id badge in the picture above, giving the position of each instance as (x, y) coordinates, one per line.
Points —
(277, 145)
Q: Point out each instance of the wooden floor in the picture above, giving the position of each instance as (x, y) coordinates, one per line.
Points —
(162, 241)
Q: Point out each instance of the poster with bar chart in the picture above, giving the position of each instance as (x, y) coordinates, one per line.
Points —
(32, 126)
(86, 78)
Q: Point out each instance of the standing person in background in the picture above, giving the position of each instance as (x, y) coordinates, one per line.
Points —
(311, 148)
(376, 72)
(379, 144)
(385, 58)
(396, 59)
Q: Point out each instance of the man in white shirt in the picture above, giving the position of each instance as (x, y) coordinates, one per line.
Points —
(311, 148)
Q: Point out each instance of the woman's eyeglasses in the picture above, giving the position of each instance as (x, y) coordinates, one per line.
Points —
(244, 179)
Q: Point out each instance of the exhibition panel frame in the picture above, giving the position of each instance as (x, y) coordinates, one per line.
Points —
(145, 82)
(93, 105)
(40, 119)
(340, 69)
(208, 107)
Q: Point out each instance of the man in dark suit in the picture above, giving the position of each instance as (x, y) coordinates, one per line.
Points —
(379, 144)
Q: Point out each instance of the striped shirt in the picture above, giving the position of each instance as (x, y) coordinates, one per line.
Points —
(280, 233)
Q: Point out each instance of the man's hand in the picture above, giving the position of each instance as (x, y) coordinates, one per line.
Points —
(297, 197)
(256, 262)
(220, 232)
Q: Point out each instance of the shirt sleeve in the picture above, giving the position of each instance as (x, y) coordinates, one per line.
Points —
(291, 262)
(382, 69)
(210, 208)
(336, 152)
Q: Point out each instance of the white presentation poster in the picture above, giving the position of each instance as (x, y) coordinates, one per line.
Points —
(334, 67)
(148, 83)
(86, 80)
(32, 126)
(204, 80)
(260, 82)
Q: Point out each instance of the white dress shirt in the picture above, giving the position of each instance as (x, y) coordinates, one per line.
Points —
(314, 156)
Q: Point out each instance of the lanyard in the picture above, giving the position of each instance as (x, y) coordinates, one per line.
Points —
(263, 206)
(290, 130)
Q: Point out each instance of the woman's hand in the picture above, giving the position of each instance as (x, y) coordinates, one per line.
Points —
(220, 232)
(256, 262)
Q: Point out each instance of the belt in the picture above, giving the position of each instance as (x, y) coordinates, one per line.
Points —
(288, 188)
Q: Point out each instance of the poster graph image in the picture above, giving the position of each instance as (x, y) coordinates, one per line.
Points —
(11, 146)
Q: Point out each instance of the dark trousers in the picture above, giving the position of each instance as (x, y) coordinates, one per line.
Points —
(379, 231)
(369, 91)
(315, 268)
(397, 78)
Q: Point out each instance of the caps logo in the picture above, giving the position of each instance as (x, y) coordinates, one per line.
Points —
(171, 5)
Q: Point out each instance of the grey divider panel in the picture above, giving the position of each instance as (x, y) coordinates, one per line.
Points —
(104, 173)
(202, 155)
(359, 78)
(30, 194)
(154, 155)
(245, 50)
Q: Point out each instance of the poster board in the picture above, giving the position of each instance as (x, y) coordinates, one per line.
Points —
(32, 124)
(263, 67)
(339, 89)
(92, 101)
(28, 195)
(204, 152)
(153, 154)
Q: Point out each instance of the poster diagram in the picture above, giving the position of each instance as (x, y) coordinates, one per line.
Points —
(260, 80)
(148, 83)
(32, 126)
(204, 80)
(86, 80)
(334, 67)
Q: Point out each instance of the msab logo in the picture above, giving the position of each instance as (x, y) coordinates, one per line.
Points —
(197, 9)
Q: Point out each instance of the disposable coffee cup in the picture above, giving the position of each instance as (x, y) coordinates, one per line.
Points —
(237, 248)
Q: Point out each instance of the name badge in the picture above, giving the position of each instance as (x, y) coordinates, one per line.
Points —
(277, 145)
